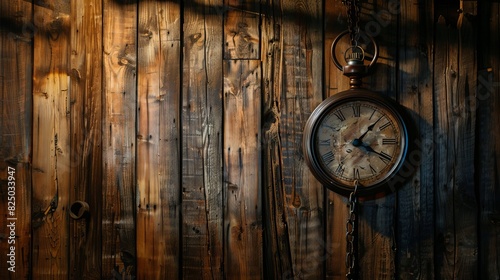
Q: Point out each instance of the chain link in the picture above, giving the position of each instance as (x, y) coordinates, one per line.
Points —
(350, 235)
(353, 15)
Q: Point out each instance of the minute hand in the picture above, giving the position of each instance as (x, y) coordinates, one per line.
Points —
(383, 156)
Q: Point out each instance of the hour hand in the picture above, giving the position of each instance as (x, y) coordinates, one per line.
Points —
(370, 128)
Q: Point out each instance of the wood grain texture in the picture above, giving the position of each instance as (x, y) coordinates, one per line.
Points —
(377, 214)
(277, 255)
(242, 30)
(415, 199)
(15, 134)
(202, 181)
(336, 210)
(51, 140)
(301, 93)
(455, 129)
(119, 139)
(86, 147)
(242, 176)
(487, 135)
(158, 141)
(216, 187)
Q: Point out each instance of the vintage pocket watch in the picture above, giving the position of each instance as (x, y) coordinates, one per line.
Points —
(356, 138)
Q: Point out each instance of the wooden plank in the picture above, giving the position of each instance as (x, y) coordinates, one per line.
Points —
(488, 131)
(464, 125)
(241, 29)
(201, 118)
(302, 84)
(15, 138)
(119, 133)
(242, 176)
(456, 209)
(415, 199)
(377, 215)
(51, 141)
(158, 185)
(277, 256)
(336, 205)
(86, 121)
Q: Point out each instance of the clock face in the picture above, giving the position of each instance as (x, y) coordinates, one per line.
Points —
(355, 138)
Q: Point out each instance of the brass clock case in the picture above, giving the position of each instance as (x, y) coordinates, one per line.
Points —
(356, 136)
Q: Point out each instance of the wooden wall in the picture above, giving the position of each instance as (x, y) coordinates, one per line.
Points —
(180, 124)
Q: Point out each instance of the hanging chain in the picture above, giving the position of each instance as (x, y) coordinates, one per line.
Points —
(350, 235)
(353, 15)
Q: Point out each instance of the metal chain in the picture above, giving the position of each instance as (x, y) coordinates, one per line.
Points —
(353, 15)
(350, 236)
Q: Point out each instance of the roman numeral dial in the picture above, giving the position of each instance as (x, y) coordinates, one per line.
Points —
(355, 139)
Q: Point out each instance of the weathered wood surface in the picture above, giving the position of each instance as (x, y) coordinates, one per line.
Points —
(488, 133)
(456, 226)
(119, 139)
(277, 255)
(180, 124)
(201, 118)
(15, 136)
(242, 122)
(243, 223)
(51, 140)
(158, 141)
(377, 215)
(86, 139)
(336, 206)
(415, 199)
(301, 92)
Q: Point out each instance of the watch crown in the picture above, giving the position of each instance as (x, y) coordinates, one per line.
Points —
(354, 55)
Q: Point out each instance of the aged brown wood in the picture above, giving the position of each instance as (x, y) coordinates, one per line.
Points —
(455, 127)
(242, 121)
(487, 135)
(336, 208)
(301, 93)
(118, 142)
(277, 255)
(15, 136)
(51, 140)
(157, 141)
(216, 187)
(415, 199)
(242, 104)
(241, 29)
(86, 147)
(201, 118)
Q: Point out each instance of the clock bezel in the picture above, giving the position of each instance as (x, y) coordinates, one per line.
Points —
(323, 110)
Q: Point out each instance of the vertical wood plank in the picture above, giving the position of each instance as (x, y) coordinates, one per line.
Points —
(15, 137)
(158, 141)
(376, 219)
(455, 128)
(464, 126)
(415, 199)
(336, 208)
(277, 256)
(202, 182)
(119, 133)
(51, 140)
(241, 29)
(242, 176)
(487, 135)
(302, 91)
(242, 119)
(86, 146)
